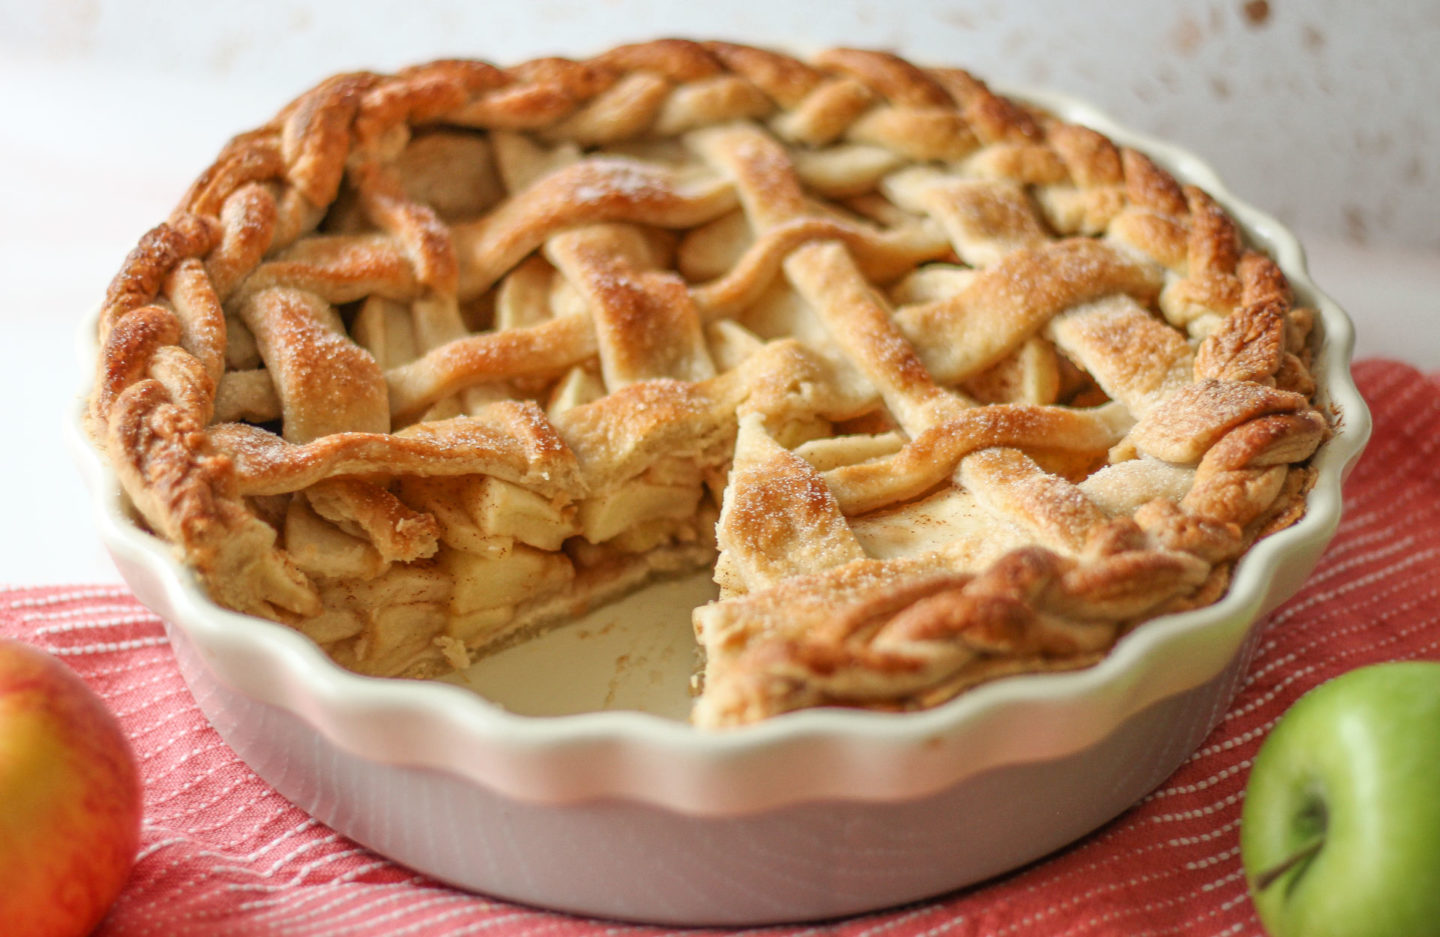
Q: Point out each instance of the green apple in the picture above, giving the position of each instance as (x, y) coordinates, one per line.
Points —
(70, 802)
(1340, 832)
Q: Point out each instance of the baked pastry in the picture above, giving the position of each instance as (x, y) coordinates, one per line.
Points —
(943, 387)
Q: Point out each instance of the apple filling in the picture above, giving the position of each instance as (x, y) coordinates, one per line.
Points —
(494, 561)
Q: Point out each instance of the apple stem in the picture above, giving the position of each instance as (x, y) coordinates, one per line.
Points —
(1267, 878)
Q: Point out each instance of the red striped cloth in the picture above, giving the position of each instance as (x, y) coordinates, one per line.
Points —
(223, 855)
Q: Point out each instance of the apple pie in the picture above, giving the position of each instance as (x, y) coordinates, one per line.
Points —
(941, 386)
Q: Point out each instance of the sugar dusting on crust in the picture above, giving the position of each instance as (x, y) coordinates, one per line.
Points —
(620, 180)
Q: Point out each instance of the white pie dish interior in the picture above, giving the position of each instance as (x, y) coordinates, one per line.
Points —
(572, 798)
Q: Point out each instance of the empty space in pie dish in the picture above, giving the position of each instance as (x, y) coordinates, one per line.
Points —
(637, 653)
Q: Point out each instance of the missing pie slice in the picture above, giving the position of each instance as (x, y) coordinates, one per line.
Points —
(941, 386)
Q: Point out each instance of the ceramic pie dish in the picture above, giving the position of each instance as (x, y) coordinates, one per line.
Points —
(575, 745)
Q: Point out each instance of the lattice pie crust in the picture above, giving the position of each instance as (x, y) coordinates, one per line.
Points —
(942, 387)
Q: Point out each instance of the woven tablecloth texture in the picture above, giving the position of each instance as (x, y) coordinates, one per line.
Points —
(223, 855)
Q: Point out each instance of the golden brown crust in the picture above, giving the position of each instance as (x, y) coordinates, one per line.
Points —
(516, 324)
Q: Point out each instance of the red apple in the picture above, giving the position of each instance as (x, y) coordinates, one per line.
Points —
(69, 799)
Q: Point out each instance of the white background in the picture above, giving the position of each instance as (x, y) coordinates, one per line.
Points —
(1323, 113)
